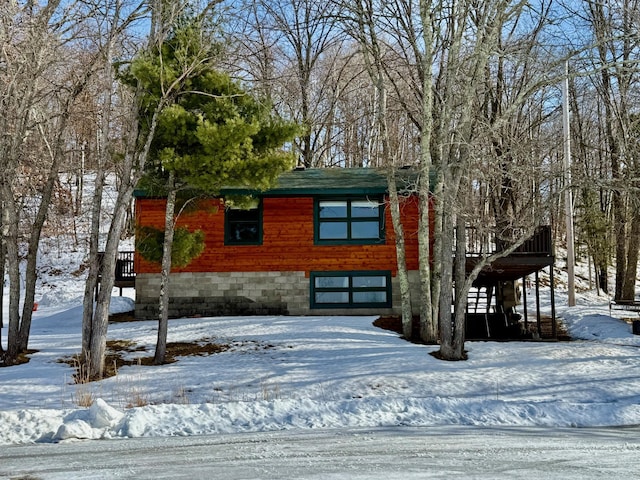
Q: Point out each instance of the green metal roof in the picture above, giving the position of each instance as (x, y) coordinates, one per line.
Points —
(322, 181)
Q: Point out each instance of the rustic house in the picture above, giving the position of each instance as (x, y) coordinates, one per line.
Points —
(320, 242)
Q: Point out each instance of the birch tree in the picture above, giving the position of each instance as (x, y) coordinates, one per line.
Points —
(430, 273)
(462, 151)
(364, 27)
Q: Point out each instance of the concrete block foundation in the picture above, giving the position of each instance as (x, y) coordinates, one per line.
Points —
(244, 293)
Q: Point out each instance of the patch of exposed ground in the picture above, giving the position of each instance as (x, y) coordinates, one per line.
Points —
(122, 353)
(22, 357)
(119, 352)
(394, 323)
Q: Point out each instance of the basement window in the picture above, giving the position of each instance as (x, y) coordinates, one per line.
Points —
(350, 289)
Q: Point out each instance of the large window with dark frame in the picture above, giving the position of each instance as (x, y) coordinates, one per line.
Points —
(243, 226)
(353, 220)
(350, 289)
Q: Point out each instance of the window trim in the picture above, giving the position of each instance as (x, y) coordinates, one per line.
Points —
(350, 289)
(317, 221)
(227, 228)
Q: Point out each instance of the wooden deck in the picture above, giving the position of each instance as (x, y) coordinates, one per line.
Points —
(532, 256)
(125, 274)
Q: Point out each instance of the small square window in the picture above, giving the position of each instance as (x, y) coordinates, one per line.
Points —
(243, 227)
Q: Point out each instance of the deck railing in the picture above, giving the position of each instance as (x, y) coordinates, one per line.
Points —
(486, 243)
(124, 265)
(125, 275)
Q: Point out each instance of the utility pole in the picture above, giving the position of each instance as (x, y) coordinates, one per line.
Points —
(568, 199)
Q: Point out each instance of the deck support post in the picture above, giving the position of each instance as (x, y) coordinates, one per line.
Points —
(524, 304)
(538, 318)
(554, 331)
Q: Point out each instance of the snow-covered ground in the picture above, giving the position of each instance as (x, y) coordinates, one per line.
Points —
(317, 373)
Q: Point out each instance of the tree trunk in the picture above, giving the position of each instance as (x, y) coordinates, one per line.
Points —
(462, 72)
(603, 30)
(36, 229)
(403, 276)
(428, 322)
(603, 280)
(91, 284)
(375, 67)
(10, 233)
(462, 285)
(619, 225)
(32, 260)
(631, 268)
(132, 169)
(96, 329)
(103, 156)
(163, 299)
(429, 272)
(447, 351)
(97, 340)
(3, 258)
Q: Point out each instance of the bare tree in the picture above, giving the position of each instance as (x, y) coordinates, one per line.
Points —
(363, 25)
(614, 26)
(433, 61)
(21, 64)
(591, 175)
(45, 74)
(466, 147)
(292, 49)
(430, 273)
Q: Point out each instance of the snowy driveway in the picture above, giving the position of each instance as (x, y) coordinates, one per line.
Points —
(385, 453)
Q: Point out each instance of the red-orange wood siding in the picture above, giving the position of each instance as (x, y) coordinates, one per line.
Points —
(287, 243)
